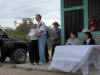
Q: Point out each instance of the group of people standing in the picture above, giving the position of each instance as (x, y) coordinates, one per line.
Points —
(37, 39)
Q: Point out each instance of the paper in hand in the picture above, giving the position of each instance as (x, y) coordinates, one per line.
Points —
(31, 33)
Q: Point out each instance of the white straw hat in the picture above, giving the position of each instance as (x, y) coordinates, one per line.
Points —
(85, 30)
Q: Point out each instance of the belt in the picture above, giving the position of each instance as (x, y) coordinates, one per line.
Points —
(41, 35)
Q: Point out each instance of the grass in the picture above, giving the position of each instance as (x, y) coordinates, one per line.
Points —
(14, 66)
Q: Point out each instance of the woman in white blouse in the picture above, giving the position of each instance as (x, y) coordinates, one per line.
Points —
(33, 45)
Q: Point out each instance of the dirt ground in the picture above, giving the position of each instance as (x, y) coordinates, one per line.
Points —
(11, 69)
(23, 72)
(8, 68)
(7, 71)
(18, 71)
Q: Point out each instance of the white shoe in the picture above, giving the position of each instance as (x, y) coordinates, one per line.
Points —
(41, 63)
(32, 64)
(85, 74)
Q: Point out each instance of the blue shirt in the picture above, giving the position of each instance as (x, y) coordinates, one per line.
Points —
(57, 34)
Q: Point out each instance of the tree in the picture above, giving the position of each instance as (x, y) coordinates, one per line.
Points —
(15, 22)
(22, 30)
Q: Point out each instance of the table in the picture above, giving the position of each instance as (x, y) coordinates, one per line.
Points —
(71, 58)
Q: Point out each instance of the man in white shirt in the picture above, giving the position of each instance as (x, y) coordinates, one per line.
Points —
(41, 38)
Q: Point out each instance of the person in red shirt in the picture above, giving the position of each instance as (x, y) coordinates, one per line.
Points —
(92, 23)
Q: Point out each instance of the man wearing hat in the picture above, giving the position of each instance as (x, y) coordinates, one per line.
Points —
(57, 36)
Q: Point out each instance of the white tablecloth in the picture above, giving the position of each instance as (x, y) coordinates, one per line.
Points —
(72, 57)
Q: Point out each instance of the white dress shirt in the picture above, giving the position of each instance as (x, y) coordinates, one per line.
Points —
(41, 28)
(87, 40)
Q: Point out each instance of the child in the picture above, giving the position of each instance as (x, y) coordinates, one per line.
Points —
(89, 39)
(33, 45)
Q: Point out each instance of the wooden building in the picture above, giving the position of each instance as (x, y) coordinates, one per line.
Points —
(75, 16)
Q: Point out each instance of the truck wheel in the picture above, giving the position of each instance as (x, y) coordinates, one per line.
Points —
(19, 56)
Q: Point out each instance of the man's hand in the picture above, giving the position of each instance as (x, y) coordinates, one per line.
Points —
(52, 38)
(40, 25)
(55, 38)
(28, 39)
(36, 34)
(39, 33)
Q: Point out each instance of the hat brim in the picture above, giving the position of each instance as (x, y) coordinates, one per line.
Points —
(55, 24)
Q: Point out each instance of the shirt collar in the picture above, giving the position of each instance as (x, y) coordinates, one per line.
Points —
(39, 22)
(88, 39)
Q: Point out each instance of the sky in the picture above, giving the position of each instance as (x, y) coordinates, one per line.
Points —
(16, 10)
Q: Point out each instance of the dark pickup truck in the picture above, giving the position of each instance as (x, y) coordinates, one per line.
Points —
(15, 49)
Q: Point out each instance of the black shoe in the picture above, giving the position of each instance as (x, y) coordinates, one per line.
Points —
(47, 61)
(32, 64)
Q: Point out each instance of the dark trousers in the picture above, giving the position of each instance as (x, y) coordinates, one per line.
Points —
(46, 53)
(53, 48)
(34, 51)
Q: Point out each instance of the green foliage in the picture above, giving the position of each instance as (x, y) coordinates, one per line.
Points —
(9, 31)
(22, 30)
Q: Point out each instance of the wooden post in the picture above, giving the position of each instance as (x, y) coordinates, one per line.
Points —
(62, 23)
(85, 14)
